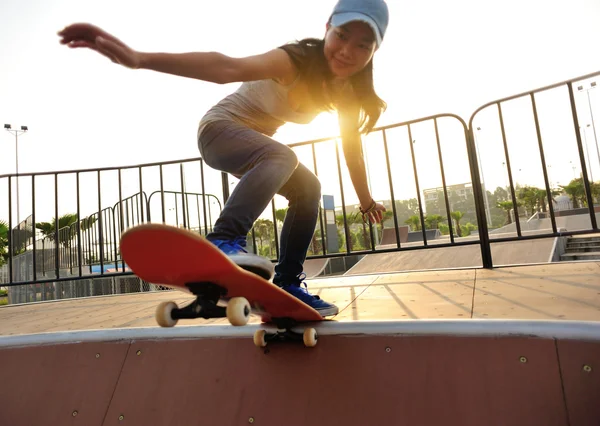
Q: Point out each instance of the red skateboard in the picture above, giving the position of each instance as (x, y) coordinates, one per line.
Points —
(182, 259)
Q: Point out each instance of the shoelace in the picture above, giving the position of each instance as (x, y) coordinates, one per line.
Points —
(238, 244)
(301, 278)
(241, 243)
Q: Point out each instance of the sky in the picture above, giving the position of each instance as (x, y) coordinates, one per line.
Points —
(438, 57)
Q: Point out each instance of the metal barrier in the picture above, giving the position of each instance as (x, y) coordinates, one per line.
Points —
(423, 152)
(570, 117)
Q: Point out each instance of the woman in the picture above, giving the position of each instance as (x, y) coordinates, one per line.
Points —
(292, 83)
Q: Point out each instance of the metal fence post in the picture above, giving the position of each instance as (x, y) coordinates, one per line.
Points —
(484, 237)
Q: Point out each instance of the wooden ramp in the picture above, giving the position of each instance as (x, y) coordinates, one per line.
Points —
(426, 372)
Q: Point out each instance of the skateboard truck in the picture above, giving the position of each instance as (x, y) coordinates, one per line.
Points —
(285, 333)
(205, 306)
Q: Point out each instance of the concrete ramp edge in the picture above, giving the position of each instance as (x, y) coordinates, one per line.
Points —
(559, 329)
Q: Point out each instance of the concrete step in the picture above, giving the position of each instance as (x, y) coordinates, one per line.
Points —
(586, 239)
(580, 256)
(582, 249)
(575, 243)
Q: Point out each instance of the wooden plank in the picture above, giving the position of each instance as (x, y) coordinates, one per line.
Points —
(344, 380)
(580, 370)
(70, 384)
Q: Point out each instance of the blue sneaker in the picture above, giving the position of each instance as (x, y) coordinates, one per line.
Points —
(300, 290)
(235, 250)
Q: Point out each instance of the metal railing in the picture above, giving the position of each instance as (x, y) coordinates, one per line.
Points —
(179, 196)
(567, 89)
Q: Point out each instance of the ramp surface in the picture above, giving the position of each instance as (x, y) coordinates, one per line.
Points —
(504, 253)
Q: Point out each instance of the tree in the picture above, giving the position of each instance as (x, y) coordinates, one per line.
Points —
(432, 220)
(263, 229)
(529, 197)
(457, 216)
(415, 222)
(354, 218)
(3, 242)
(49, 228)
(280, 214)
(506, 206)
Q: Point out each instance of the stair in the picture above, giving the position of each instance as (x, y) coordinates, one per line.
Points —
(582, 248)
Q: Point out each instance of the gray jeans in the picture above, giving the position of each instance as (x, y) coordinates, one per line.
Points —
(265, 167)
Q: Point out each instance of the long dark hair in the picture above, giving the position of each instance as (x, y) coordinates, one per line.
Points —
(309, 58)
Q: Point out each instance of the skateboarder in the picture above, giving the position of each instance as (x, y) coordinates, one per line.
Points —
(292, 83)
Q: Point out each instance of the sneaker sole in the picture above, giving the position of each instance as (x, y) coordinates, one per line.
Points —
(326, 312)
(255, 264)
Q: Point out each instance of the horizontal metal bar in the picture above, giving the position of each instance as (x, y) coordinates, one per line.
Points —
(529, 92)
(387, 127)
(103, 169)
(75, 278)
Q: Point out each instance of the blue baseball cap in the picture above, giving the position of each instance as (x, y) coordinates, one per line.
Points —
(373, 12)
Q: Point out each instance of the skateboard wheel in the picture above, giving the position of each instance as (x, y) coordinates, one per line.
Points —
(310, 337)
(238, 311)
(163, 314)
(259, 338)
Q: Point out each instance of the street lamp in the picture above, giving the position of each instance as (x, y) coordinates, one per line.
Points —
(587, 148)
(581, 89)
(16, 132)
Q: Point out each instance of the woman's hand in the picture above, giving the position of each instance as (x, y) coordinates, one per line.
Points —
(373, 212)
(92, 37)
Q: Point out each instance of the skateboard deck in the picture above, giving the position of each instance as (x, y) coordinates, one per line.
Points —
(185, 260)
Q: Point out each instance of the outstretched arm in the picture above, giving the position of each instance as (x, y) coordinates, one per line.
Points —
(352, 146)
(208, 66)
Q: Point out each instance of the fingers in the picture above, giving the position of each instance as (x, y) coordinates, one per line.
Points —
(376, 215)
(83, 31)
(86, 35)
(81, 43)
(77, 32)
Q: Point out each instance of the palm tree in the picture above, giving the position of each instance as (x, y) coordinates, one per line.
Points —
(433, 220)
(529, 196)
(457, 216)
(575, 190)
(506, 206)
(48, 229)
(280, 214)
(414, 221)
(263, 229)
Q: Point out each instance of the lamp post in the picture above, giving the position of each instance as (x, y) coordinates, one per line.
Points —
(587, 148)
(16, 132)
(581, 89)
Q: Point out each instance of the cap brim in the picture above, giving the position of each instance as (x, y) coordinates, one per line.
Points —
(343, 18)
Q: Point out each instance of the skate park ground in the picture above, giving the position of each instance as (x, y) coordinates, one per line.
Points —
(557, 291)
(512, 346)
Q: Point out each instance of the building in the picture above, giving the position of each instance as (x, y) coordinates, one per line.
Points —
(462, 190)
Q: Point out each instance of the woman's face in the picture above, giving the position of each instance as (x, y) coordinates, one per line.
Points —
(349, 48)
